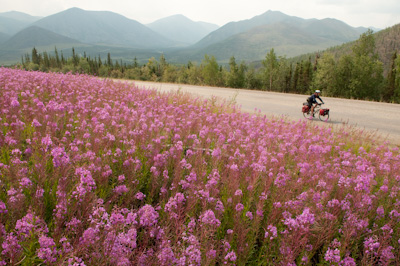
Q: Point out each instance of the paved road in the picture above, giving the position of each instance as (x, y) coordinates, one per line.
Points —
(383, 119)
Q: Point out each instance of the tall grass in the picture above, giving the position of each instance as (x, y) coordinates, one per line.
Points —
(95, 172)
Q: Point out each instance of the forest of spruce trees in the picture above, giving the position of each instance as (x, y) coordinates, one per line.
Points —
(359, 74)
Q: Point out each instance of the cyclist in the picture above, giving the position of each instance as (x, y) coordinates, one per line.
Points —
(312, 102)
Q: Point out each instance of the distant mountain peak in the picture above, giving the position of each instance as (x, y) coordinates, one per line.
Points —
(12, 22)
(180, 28)
(103, 28)
(289, 35)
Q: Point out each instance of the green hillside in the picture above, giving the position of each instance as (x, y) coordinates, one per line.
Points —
(254, 44)
(251, 39)
(103, 28)
(387, 42)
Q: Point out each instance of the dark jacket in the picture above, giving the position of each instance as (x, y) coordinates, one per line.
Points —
(313, 99)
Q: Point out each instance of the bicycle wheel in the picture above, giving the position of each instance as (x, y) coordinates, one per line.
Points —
(323, 118)
(307, 114)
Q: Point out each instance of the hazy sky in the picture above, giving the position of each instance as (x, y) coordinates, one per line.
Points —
(375, 13)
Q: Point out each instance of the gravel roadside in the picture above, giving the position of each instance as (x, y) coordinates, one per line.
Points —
(380, 119)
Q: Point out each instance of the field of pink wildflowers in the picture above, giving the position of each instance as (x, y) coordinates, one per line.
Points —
(94, 172)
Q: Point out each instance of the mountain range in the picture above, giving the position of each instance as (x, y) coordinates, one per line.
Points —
(180, 39)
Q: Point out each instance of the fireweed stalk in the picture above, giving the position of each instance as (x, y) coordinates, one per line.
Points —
(95, 172)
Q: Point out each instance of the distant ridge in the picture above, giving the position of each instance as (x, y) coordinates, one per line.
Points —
(328, 28)
(252, 39)
(20, 16)
(103, 28)
(36, 36)
(233, 28)
(13, 21)
(182, 29)
(256, 43)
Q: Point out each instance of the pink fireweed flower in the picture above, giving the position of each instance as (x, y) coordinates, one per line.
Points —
(227, 246)
(73, 224)
(332, 255)
(116, 218)
(15, 102)
(10, 245)
(128, 239)
(46, 141)
(219, 206)
(386, 255)
(148, 216)
(110, 137)
(239, 207)
(140, 196)
(212, 253)
(174, 203)
(47, 250)
(25, 182)
(75, 261)
(347, 261)
(86, 185)
(216, 153)
(249, 215)
(213, 179)
(39, 193)
(271, 232)
(371, 245)
(263, 196)
(90, 236)
(166, 255)
(16, 152)
(10, 141)
(238, 192)
(208, 218)
(231, 256)
(302, 221)
(29, 224)
(380, 212)
(121, 178)
(15, 195)
(3, 208)
(335, 243)
(60, 157)
(36, 123)
(121, 189)
(234, 167)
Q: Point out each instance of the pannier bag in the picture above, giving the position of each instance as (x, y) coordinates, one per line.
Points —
(324, 112)
(305, 108)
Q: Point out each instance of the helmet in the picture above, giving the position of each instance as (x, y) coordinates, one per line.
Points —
(318, 91)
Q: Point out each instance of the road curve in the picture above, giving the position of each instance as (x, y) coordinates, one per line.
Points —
(381, 119)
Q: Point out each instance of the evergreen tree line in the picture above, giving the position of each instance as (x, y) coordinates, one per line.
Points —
(356, 75)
